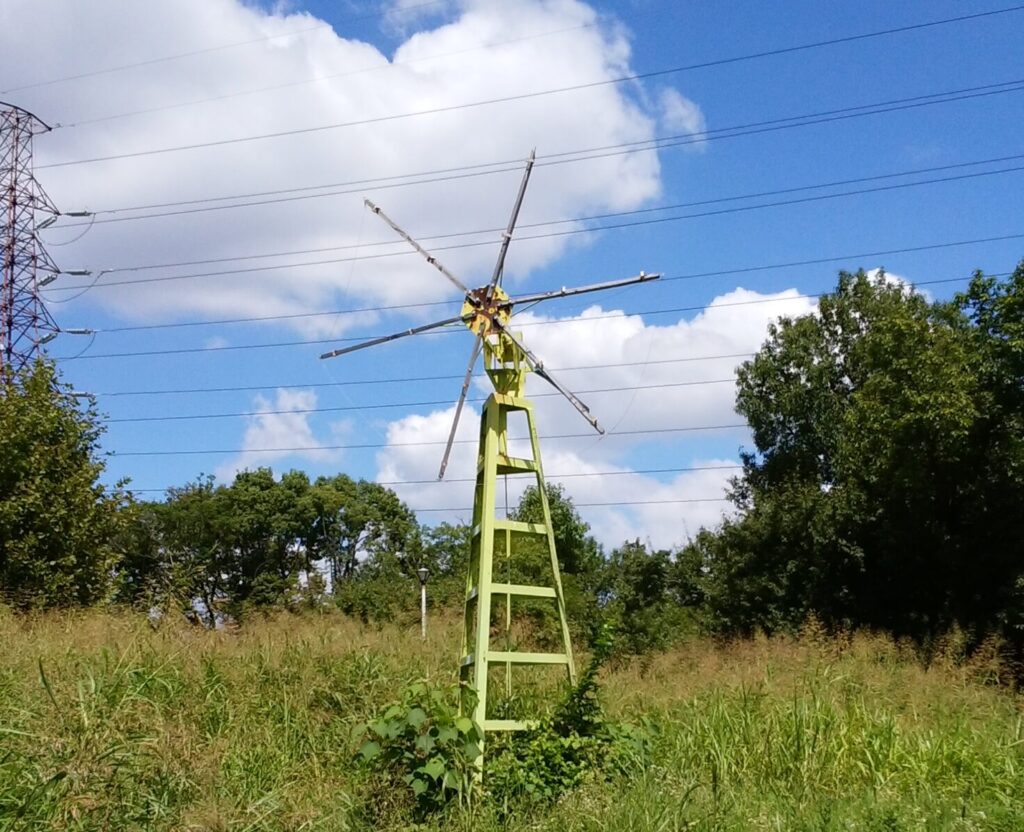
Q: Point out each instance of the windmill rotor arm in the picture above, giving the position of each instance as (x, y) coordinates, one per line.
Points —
(565, 292)
(506, 237)
(538, 368)
(477, 346)
(433, 261)
(416, 330)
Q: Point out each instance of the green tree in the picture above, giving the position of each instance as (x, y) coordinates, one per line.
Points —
(641, 597)
(59, 526)
(264, 523)
(879, 425)
(579, 557)
(194, 557)
(355, 522)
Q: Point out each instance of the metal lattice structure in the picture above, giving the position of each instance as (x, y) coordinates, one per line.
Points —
(487, 313)
(25, 323)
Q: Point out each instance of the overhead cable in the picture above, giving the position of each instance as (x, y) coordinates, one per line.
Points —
(423, 443)
(408, 380)
(459, 328)
(632, 78)
(648, 221)
(664, 279)
(281, 195)
(209, 49)
(574, 474)
(178, 417)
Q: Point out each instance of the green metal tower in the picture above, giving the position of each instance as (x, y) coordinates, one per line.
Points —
(486, 312)
(507, 368)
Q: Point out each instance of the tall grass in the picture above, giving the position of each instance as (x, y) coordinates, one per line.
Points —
(109, 724)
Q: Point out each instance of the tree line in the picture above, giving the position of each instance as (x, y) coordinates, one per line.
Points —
(883, 490)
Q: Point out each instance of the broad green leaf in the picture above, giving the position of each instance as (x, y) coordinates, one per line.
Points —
(370, 750)
(434, 768)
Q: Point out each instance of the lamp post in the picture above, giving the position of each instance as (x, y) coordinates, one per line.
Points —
(423, 573)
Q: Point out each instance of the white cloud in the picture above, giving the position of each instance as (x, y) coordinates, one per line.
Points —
(733, 324)
(400, 16)
(681, 115)
(488, 49)
(898, 280)
(280, 424)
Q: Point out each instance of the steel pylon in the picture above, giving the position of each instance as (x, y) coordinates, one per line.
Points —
(507, 366)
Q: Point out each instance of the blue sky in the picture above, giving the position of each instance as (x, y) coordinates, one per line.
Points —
(257, 70)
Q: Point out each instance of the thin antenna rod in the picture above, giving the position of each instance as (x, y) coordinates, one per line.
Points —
(538, 368)
(416, 330)
(499, 267)
(643, 277)
(462, 400)
(429, 257)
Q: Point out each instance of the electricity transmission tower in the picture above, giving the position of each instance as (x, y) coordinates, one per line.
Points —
(487, 312)
(25, 323)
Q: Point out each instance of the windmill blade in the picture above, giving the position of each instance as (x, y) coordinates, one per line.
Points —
(429, 257)
(499, 267)
(643, 277)
(416, 330)
(538, 368)
(462, 400)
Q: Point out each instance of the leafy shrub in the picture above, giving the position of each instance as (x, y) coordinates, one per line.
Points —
(422, 745)
(574, 744)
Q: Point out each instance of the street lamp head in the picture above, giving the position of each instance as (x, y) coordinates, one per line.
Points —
(423, 572)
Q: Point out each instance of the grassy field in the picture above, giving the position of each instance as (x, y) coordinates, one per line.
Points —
(108, 724)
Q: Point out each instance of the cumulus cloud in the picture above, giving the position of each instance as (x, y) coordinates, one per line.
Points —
(681, 115)
(899, 280)
(279, 425)
(291, 73)
(683, 385)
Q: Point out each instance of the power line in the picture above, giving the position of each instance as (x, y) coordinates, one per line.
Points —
(560, 158)
(541, 93)
(596, 505)
(553, 234)
(456, 328)
(407, 380)
(376, 68)
(667, 279)
(207, 50)
(459, 480)
(358, 408)
(369, 445)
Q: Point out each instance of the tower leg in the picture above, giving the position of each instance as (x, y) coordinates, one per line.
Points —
(477, 655)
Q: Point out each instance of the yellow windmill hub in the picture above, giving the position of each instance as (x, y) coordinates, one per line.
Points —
(485, 305)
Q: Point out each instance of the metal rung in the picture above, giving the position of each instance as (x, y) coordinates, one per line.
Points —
(522, 528)
(516, 527)
(514, 657)
(515, 465)
(511, 402)
(509, 724)
(523, 590)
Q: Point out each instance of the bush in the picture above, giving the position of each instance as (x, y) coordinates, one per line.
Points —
(574, 744)
(423, 748)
